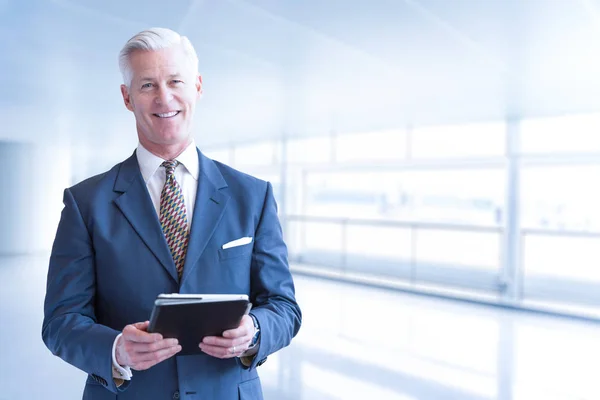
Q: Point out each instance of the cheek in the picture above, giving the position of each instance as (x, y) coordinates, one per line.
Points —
(140, 114)
(141, 104)
(190, 99)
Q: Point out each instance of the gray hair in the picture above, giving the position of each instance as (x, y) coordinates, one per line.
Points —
(151, 40)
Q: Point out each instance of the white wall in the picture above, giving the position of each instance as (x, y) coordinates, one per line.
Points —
(31, 183)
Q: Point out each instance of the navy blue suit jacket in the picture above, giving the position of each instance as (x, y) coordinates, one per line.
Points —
(110, 260)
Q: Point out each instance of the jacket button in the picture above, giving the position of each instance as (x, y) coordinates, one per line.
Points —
(176, 395)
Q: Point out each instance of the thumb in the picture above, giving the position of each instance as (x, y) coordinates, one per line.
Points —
(142, 326)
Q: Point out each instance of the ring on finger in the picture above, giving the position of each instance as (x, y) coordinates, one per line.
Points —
(233, 350)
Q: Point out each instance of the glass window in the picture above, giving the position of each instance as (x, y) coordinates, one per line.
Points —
(468, 196)
(322, 236)
(563, 257)
(265, 153)
(309, 150)
(318, 243)
(479, 250)
(372, 146)
(561, 197)
(377, 241)
(347, 194)
(472, 140)
(460, 196)
(564, 134)
(222, 155)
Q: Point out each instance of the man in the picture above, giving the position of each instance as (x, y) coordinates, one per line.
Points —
(166, 220)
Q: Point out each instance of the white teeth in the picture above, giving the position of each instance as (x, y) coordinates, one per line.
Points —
(169, 114)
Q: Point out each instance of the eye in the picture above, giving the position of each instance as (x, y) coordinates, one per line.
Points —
(176, 81)
(146, 85)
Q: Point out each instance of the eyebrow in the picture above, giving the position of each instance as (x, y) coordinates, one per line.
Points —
(152, 79)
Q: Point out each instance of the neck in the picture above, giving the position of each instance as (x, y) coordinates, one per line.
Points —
(166, 152)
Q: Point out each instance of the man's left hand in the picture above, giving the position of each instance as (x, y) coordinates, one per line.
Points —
(233, 343)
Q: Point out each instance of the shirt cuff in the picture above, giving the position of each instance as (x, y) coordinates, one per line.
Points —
(247, 357)
(120, 373)
(246, 361)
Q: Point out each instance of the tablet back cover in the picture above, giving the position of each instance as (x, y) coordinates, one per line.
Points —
(189, 322)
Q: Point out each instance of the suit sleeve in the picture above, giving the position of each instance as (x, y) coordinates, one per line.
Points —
(69, 329)
(272, 286)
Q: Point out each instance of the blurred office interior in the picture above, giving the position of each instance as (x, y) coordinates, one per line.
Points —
(436, 165)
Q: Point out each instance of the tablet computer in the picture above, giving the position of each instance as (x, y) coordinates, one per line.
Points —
(191, 317)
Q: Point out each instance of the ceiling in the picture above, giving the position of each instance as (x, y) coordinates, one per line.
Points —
(302, 68)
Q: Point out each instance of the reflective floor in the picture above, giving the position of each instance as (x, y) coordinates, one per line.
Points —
(355, 343)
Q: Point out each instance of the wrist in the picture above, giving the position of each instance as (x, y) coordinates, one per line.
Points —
(120, 369)
(117, 352)
(256, 334)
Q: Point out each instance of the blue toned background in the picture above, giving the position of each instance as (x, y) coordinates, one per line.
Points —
(436, 165)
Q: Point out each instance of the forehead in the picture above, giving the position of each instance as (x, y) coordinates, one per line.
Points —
(161, 62)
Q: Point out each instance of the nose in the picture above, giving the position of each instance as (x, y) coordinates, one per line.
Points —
(163, 95)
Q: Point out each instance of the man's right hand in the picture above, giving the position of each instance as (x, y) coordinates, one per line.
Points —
(140, 350)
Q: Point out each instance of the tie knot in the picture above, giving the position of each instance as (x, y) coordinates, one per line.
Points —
(170, 166)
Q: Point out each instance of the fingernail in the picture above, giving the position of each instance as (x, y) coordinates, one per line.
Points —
(174, 342)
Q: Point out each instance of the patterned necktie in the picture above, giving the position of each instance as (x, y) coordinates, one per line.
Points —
(173, 216)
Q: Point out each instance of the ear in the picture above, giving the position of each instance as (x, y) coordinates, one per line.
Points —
(199, 86)
(126, 97)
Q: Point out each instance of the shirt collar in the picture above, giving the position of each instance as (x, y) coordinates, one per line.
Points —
(149, 162)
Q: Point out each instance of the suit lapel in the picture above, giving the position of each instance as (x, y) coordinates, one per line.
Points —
(136, 205)
(208, 210)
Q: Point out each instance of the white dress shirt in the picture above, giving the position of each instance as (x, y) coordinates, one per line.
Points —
(186, 175)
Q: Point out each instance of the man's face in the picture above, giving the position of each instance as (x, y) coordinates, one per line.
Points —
(163, 94)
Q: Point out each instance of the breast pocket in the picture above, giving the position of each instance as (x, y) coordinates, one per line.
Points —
(233, 252)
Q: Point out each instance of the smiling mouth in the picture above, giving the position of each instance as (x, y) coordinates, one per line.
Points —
(167, 115)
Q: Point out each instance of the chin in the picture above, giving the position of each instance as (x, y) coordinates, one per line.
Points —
(172, 137)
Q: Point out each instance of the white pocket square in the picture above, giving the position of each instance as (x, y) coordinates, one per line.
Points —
(237, 242)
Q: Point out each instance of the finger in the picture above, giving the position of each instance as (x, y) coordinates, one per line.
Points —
(235, 333)
(222, 342)
(142, 326)
(224, 352)
(217, 341)
(219, 352)
(159, 357)
(156, 356)
(246, 328)
(132, 333)
(135, 347)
